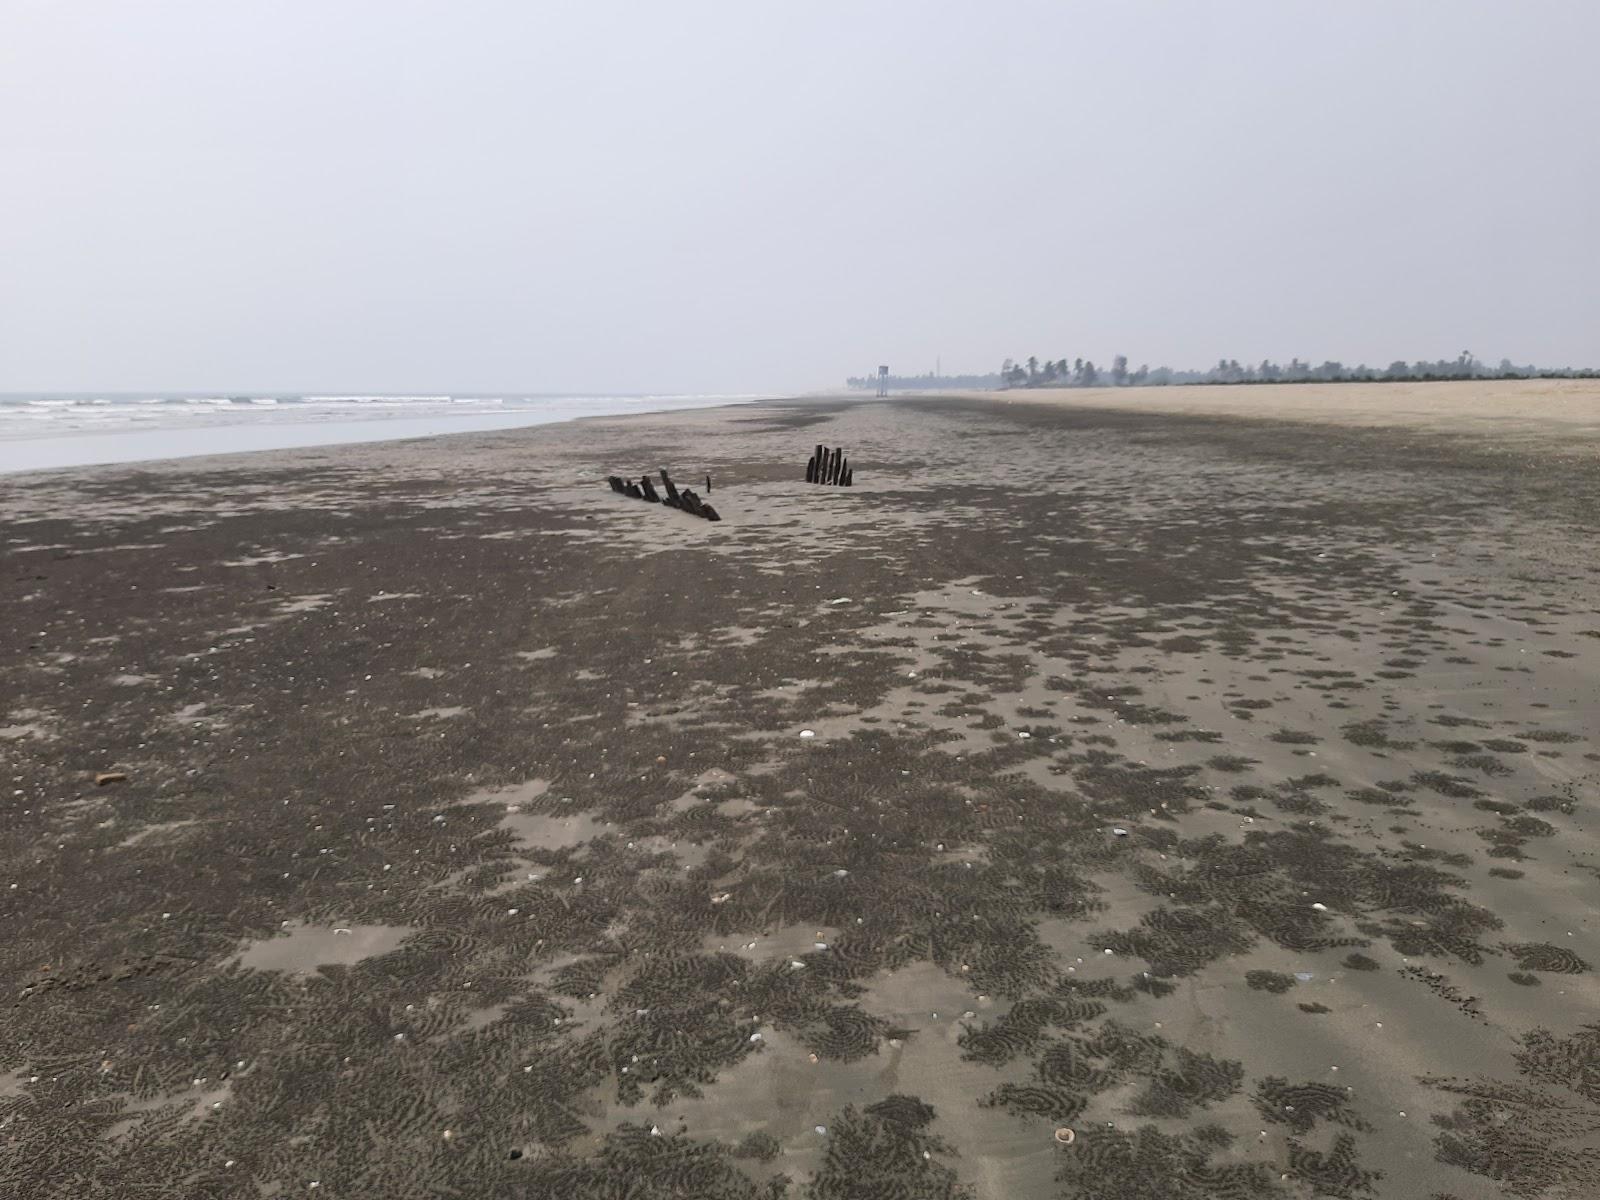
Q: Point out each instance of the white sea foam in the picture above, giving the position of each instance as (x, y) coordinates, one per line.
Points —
(46, 431)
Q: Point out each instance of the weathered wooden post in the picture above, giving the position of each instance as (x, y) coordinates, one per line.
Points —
(649, 490)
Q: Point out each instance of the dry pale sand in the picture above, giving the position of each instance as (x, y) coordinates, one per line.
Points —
(1221, 790)
(1510, 412)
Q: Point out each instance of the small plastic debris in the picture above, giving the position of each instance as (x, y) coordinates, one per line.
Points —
(655, 1131)
(755, 1037)
(812, 1058)
(808, 733)
(822, 1129)
(796, 965)
(840, 600)
(1119, 831)
(1320, 907)
(1024, 734)
(1303, 976)
(101, 778)
(840, 873)
(1065, 1136)
(722, 897)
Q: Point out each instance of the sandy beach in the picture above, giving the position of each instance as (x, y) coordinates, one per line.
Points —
(1176, 793)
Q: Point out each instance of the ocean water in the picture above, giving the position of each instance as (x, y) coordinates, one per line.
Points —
(41, 432)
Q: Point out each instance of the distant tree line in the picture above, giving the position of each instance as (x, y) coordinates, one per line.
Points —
(1081, 372)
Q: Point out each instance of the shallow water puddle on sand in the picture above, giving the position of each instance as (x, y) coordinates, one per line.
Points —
(541, 829)
(15, 733)
(482, 1018)
(306, 947)
(202, 1099)
(552, 831)
(779, 1091)
(15, 1084)
(689, 854)
(272, 556)
(788, 942)
(441, 714)
(159, 833)
(301, 604)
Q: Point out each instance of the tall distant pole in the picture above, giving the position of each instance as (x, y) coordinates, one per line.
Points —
(883, 381)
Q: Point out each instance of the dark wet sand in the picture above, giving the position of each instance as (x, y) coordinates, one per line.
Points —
(1220, 789)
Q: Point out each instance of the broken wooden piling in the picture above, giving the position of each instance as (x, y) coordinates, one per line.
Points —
(829, 467)
(684, 501)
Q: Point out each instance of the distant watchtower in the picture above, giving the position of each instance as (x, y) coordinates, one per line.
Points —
(883, 381)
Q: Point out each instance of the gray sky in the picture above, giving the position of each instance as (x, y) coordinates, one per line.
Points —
(476, 195)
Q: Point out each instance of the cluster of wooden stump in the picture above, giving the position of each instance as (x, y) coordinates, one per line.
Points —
(684, 501)
(830, 467)
(825, 466)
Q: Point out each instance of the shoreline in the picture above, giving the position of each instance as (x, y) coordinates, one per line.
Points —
(1166, 773)
(85, 448)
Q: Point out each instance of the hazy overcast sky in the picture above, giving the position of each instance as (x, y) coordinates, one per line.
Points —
(750, 196)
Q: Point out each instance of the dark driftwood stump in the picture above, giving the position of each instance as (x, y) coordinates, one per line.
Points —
(684, 501)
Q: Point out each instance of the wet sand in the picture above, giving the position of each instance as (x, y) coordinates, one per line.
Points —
(1212, 780)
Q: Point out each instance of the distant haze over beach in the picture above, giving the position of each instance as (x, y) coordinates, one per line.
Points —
(381, 196)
